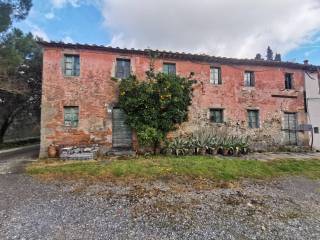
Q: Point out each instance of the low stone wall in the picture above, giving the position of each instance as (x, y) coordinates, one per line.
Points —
(78, 152)
(269, 137)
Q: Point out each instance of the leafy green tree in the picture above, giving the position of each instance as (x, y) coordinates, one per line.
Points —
(20, 78)
(269, 54)
(258, 57)
(154, 107)
(277, 57)
(11, 10)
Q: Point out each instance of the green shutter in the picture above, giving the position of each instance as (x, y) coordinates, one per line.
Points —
(71, 116)
(121, 132)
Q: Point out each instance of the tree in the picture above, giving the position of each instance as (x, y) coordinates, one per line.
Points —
(258, 57)
(269, 54)
(154, 107)
(20, 78)
(277, 57)
(13, 10)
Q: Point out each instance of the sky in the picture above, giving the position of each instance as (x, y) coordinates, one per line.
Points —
(226, 28)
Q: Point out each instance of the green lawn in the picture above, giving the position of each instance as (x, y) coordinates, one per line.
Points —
(162, 167)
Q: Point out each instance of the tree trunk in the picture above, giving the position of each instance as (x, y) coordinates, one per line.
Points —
(155, 147)
(3, 129)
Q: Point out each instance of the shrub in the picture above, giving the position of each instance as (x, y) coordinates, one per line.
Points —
(155, 106)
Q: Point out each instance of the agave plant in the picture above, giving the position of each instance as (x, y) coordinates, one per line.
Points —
(201, 141)
(205, 141)
(244, 145)
(226, 145)
(177, 146)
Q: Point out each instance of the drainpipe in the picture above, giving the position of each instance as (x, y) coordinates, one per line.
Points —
(306, 63)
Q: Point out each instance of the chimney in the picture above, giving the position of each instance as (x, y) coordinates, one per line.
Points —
(306, 62)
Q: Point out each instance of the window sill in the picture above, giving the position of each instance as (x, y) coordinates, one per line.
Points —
(215, 85)
(70, 128)
(248, 87)
(65, 76)
(285, 94)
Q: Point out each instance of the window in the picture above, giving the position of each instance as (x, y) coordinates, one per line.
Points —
(71, 65)
(216, 115)
(123, 68)
(71, 116)
(288, 81)
(316, 130)
(215, 75)
(253, 118)
(169, 68)
(290, 128)
(249, 79)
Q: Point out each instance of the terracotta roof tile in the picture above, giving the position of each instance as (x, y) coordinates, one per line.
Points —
(182, 55)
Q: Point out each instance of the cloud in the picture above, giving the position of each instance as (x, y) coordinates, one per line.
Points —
(37, 31)
(226, 28)
(67, 39)
(49, 15)
(62, 3)
(76, 3)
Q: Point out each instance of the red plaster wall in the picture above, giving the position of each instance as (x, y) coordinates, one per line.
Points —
(95, 92)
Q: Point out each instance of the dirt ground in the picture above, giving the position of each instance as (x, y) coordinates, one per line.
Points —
(280, 209)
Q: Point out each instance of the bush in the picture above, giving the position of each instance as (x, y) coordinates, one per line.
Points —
(154, 107)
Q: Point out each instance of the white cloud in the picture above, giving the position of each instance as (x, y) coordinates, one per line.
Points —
(37, 31)
(227, 28)
(67, 39)
(76, 3)
(49, 15)
(62, 3)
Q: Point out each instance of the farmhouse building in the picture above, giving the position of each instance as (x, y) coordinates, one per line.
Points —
(312, 85)
(259, 98)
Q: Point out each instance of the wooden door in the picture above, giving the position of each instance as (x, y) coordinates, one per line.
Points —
(121, 132)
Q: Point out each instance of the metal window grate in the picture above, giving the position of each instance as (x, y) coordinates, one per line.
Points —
(290, 128)
(216, 115)
(253, 119)
(215, 75)
(169, 68)
(71, 65)
(123, 68)
(71, 116)
(288, 81)
(249, 80)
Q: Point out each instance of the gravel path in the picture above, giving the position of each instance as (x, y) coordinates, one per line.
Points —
(282, 209)
(14, 160)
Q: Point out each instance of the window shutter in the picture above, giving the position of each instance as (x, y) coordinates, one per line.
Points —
(219, 76)
(253, 81)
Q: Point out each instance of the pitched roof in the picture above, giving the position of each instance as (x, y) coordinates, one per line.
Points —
(181, 56)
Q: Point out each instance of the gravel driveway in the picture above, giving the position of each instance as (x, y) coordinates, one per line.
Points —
(282, 209)
(13, 160)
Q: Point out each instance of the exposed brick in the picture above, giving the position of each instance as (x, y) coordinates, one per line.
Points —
(95, 92)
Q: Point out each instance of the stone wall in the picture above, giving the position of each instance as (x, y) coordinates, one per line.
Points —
(95, 92)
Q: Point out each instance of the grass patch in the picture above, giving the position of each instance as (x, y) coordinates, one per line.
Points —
(195, 167)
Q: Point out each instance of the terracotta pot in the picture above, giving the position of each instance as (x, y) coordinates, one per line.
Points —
(236, 152)
(214, 151)
(52, 151)
(225, 152)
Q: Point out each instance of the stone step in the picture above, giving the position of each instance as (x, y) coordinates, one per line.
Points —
(121, 152)
(79, 156)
